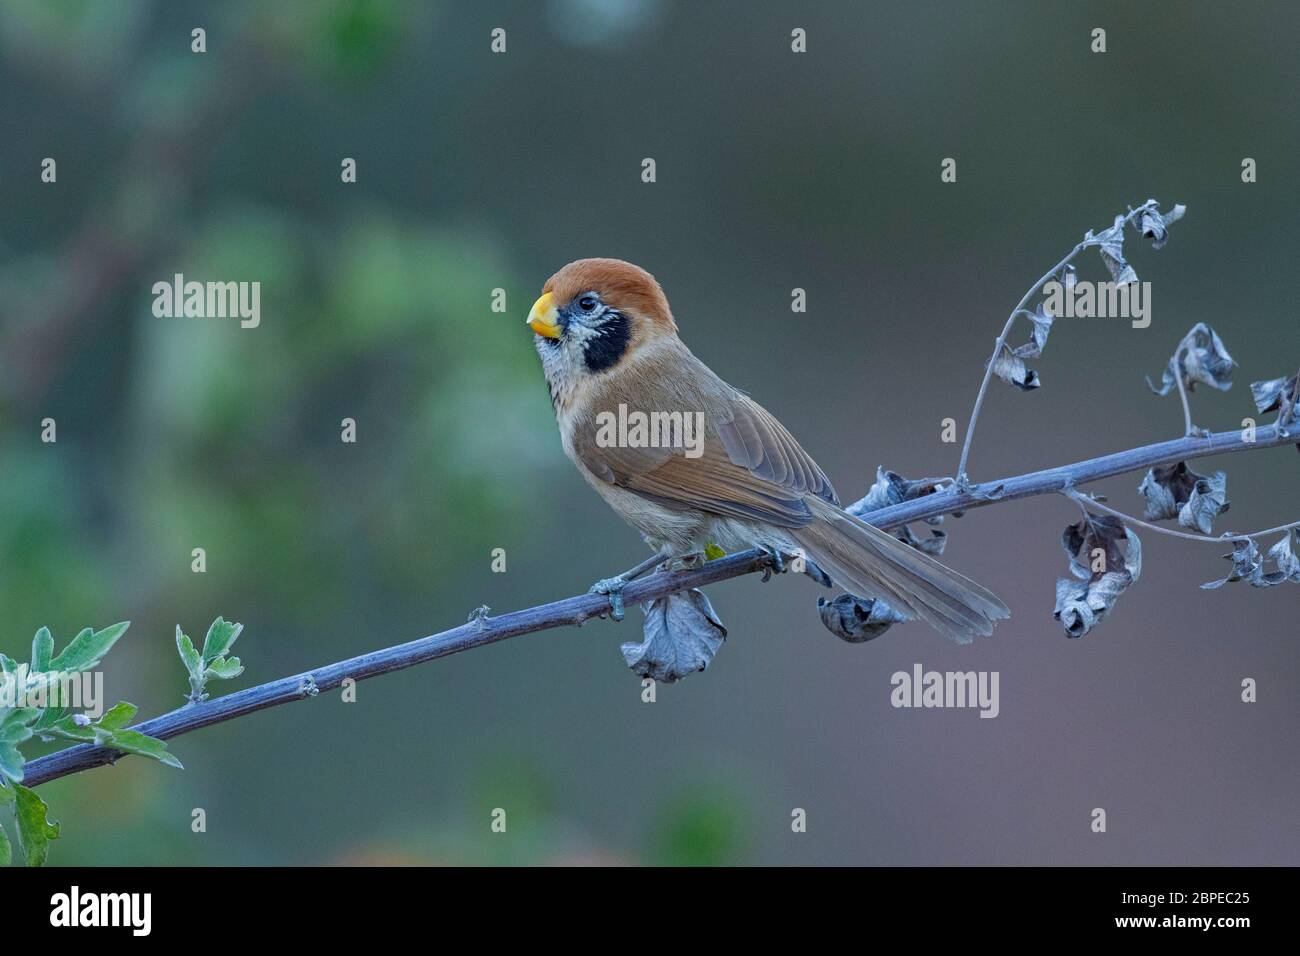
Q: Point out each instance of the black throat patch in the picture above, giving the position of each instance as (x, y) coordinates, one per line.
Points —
(608, 344)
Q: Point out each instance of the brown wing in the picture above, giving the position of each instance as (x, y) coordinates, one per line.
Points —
(750, 466)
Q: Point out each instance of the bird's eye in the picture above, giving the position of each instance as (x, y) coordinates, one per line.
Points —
(588, 303)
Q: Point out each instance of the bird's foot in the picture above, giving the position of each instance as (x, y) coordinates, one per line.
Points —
(613, 589)
(775, 561)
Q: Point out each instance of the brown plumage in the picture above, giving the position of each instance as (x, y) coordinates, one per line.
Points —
(609, 346)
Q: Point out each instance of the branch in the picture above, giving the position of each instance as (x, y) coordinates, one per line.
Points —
(1056, 270)
(1085, 502)
(1177, 362)
(481, 629)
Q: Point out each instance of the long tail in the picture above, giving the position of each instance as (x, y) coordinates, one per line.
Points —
(872, 563)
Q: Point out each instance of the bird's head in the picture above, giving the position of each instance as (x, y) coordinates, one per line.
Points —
(595, 313)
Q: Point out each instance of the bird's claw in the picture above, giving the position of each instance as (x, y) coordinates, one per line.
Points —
(775, 561)
(613, 589)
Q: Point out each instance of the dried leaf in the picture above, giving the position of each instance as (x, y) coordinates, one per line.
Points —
(1208, 500)
(1175, 491)
(856, 619)
(1248, 565)
(1286, 566)
(891, 488)
(1013, 371)
(1166, 489)
(1095, 532)
(1009, 364)
(1038, 341)
(1110, 244)
(682, 635)
(1278, 395)
(1154, 225)
(1204, 360)
(932, 545)
(1081, 604)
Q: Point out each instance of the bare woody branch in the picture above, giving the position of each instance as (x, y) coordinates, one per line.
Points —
(482, 629)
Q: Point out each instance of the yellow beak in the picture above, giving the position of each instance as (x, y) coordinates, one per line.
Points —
(544, 318)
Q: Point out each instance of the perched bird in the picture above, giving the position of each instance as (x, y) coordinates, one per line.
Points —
(611, 355)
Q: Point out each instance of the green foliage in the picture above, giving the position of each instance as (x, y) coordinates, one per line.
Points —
(212, 662)
(86, 650)
(706, 826)
(110, 731)
(15, 728)
(29, 708)
(35, 831)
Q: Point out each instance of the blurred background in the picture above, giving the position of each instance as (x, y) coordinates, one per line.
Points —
(479, 171)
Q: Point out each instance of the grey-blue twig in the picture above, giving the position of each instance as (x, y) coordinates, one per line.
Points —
(575, 610)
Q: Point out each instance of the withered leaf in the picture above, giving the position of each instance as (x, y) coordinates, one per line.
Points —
(1248, 565)
(891, 488)
(1166, 489)
(1278, 395)
(1208, 500)
(1175, 491)
(1081, 604)
(1154, 225)
(932, 545)
(1009, 365)
(1011, 369)
(856, 619)
(1110, 245)
(1089, 534)
(1282, 556)
(682, 635)
(1204, 360)
(1042, 323)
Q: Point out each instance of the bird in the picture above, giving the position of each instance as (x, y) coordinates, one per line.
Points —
(613, 360)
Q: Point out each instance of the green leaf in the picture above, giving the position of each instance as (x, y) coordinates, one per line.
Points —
(118, 716)
(11, 761)
(134, 742)
(16, 717)
(221, 635)
(68, 730)
(49, 717)
(15, 727)
(42, 649)
(88, 648)
(35, 831)
(6, 851)
(189, 654)
(110, 731)
(225, 668)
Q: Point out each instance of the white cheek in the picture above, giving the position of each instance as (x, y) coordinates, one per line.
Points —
(577, 336)
(561, 364)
